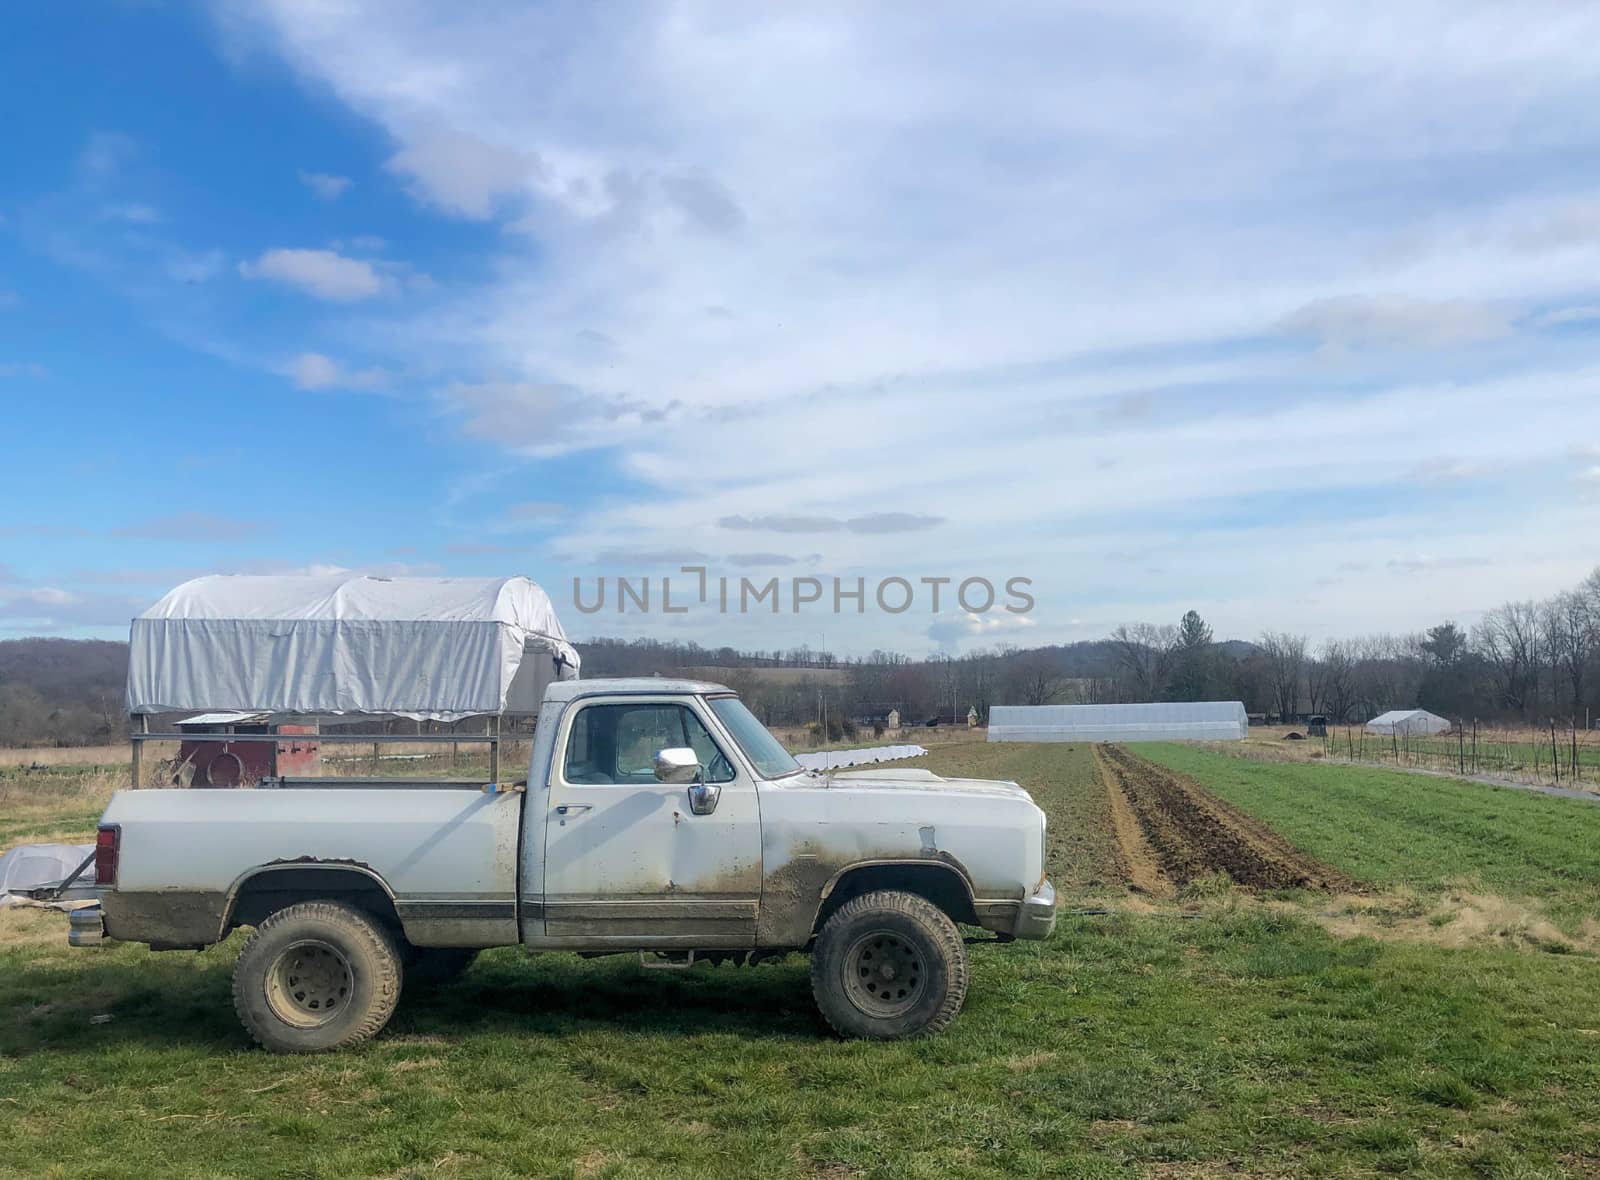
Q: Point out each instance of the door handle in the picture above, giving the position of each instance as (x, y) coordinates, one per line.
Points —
(574, 808)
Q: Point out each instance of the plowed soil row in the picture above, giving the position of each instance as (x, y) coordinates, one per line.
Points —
(1194, 834)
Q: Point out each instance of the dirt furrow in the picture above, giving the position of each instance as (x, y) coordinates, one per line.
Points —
(1193, 834)
(1137, 862)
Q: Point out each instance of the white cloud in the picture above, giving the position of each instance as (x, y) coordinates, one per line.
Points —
(1424, 562)
(984, 628)
(462, 174)
(133, 213)
(104, 154)
(988, 272)
(314, 371)
(872, 522)
(1586, 314)
(194, 527)
(184, 267)
(325, 185)
(23, 369)
(320, 273)
(1340, 323)
(535, 512)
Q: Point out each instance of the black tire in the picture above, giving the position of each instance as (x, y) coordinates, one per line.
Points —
(315, 977)
(889, 965)
(437, 964)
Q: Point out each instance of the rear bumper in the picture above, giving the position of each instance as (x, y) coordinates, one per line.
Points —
(1037, 918)
(88, 926)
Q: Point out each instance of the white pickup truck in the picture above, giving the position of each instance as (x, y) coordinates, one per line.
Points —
(658, 816)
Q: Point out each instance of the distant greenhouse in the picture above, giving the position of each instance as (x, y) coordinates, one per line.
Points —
(1167, 721)
(1408, 723)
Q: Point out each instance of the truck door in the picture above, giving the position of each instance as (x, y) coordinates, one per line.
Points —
(626, 860)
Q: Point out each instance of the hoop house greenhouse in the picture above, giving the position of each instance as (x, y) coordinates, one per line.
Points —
(1167, 721)
(1408, 723)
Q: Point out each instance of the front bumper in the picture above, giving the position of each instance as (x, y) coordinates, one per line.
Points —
(1037, 918)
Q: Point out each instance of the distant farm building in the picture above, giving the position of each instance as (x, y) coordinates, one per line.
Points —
(1408, 723)
(1167, 721)
(213, 760)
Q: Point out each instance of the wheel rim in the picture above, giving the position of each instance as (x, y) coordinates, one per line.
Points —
(884, 974)
(309, 984)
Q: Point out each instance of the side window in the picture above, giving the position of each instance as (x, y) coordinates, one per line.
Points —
(641, 731)
(617, 744)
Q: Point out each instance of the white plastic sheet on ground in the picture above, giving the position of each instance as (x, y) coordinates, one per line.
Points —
(1166, 721)
(440, 648)
(34, 866)
(837, 759)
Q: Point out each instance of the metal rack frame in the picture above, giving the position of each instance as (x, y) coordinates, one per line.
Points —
(140, 733)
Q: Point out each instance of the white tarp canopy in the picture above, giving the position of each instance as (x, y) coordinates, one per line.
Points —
(438, 648)
(1165, 721)
(1408, 722)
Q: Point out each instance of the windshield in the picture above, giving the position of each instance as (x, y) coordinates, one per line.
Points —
(765, 752)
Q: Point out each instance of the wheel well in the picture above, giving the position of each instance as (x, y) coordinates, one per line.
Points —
(940, 884)
(274, 889)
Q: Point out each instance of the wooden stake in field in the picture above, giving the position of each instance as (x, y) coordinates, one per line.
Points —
(1555, 758)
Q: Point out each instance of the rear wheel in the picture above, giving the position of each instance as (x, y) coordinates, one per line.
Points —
(889, 965)
(316, 976)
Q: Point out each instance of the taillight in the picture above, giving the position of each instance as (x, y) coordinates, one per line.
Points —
(107, 848)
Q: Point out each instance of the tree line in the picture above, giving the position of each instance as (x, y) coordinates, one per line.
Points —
(1525, 661)
(1522, 661)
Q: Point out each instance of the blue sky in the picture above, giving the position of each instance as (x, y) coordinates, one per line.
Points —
(1290, 314)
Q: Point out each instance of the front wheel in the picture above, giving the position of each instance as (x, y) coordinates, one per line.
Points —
(316, 976)
(889, 965)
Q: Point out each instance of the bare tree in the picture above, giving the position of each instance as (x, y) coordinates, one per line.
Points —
(1510, 639)
(1035, 680)
(1144, 654)
(1338, 679)
(1570, 638)
(1317, 684)
(1285, 660)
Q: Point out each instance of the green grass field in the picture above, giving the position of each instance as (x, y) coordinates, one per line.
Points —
(1391, 828)
(1247, 1040)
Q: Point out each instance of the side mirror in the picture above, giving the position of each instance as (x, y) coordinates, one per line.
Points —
(677, 764)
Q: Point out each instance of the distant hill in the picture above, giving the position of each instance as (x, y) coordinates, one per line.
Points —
(62, 691)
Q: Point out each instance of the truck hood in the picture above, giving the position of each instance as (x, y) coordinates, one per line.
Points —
(914, 779)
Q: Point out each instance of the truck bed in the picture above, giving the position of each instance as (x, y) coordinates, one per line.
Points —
(445, 856)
